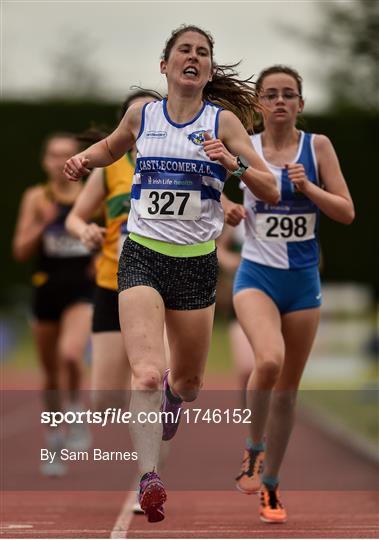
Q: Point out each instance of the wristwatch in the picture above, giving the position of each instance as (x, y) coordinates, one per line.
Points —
(243, 164)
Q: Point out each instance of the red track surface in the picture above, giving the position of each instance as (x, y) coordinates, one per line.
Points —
(191, 515)
(216, 514)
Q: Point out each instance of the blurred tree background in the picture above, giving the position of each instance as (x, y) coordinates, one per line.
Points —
(349, 45)
(349, 54)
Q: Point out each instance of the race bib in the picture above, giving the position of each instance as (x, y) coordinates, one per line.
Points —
(288, 228)
(57, 243)
(170, 196)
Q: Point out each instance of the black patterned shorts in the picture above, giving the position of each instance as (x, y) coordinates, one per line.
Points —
(184, 283)
(105, 314)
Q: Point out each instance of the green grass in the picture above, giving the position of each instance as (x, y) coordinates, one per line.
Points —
(219, 359)
(355, 409)
(24, 355)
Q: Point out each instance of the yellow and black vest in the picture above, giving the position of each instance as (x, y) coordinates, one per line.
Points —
(118, 183)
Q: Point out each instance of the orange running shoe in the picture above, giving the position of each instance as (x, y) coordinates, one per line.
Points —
(249, 479)
(271, 509)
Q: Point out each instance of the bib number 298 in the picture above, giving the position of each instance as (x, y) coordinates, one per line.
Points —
(286, 228)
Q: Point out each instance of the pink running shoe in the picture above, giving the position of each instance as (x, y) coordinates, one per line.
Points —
(151, 496)
(171, 423)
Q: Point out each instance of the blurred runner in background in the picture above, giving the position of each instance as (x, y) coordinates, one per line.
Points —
(62, 290)
(110, 187)
(229, 246)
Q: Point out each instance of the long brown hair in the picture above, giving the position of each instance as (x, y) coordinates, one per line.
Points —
(226, 88)
(280, 68)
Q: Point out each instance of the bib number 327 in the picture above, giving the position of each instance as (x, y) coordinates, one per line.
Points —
(156, 202)
(159, 204)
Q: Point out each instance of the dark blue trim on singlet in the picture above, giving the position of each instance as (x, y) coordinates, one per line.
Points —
(217, 121)
(165, 112)
(299, 252)
(207, 192)
(142, 121)
(180, 165)
(307, 159)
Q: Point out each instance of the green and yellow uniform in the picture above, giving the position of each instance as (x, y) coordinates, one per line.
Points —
(117, 182)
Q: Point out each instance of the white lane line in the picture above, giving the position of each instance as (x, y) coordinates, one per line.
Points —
(52, 533)
(120, 528)
(17, 526)
(176, 533)
(8, 525)
(249, 530)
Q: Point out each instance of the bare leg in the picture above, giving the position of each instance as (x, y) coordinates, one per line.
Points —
(46, 339)
(142, 315)
(260, 320)
(299, 331)
(110, 373)
(243, 357)
(73, 339)
(189, 335)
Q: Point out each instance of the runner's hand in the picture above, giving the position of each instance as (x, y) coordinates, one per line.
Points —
(93, 236)
(76, 167)
(234, 213)
(216, 151)
(296, 173)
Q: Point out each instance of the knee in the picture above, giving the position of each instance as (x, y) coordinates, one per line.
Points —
(70, 358)
(268, 368)
(187, 388)
(147, 378)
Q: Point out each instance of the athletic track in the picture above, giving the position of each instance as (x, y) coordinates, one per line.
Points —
(313, 513)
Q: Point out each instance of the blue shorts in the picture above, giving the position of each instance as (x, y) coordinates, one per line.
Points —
(290, 290)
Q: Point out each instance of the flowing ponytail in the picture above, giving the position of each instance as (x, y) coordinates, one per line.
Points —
(226, 88)
(234, 94)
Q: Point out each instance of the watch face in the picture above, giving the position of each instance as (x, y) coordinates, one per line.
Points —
(242, 162)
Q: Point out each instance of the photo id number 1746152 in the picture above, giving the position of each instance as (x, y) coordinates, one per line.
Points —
(217, 416)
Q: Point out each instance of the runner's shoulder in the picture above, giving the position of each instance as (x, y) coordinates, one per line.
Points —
(34, 194)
